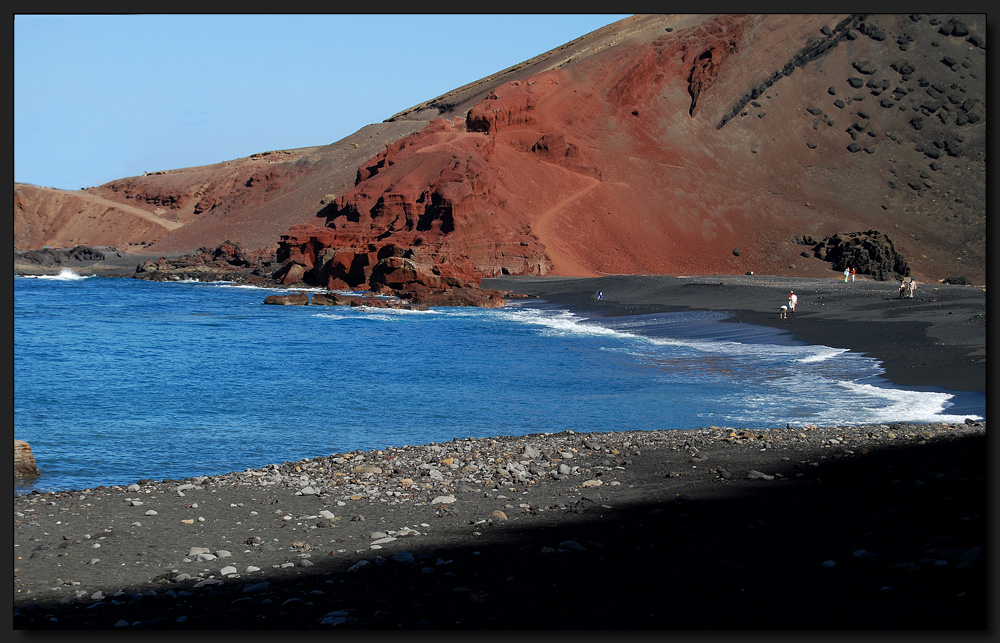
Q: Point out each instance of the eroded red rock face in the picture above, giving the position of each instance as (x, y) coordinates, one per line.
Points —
(549, 174)
(439, 193)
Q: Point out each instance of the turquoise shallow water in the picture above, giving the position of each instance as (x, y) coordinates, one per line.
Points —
(116, 380)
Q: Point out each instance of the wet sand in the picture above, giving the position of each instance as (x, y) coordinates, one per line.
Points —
(938, 338)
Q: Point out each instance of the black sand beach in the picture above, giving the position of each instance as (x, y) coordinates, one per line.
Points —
(937, 338)
(876, 527)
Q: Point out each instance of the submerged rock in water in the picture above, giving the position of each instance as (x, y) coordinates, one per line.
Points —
(416, 298)
(295, 299)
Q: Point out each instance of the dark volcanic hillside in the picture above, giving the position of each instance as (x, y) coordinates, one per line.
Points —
(669, 144)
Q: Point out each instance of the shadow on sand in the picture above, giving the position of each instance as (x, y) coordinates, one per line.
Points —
(780, 555)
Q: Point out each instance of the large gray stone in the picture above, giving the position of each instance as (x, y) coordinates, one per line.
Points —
(24, 460)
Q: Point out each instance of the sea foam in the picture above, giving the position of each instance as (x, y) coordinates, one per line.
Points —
(66, 274)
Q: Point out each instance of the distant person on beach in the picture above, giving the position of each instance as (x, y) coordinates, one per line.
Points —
(783, 314)
(853, 273)
(792, 300)
(847, 274)
(902, 288)
(600, 294)
(910, 288)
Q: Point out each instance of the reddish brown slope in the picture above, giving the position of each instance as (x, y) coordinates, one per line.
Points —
(252, 200)
(693, 137)
(59, 218)
(657, 145)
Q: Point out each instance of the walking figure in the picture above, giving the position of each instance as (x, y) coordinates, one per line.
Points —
(847, 274)
(792, 300)
(600, 294)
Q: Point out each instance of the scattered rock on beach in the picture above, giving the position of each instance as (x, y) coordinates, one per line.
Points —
(253, 533)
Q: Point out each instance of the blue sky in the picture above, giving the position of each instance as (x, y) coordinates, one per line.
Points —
(104, 97)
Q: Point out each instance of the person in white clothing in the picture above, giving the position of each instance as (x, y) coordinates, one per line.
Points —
(792, 300)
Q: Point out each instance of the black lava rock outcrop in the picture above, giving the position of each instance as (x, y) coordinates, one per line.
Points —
(52, 257)
(228, 261)
(870, 253)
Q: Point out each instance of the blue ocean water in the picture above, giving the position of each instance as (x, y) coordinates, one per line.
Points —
(116, 380)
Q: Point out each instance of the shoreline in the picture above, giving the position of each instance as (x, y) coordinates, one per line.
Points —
(797, 527)
(866, 527)
(936, 339)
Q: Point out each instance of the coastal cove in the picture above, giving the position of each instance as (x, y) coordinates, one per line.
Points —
(658, 323)
(509, 522)
(172, 380)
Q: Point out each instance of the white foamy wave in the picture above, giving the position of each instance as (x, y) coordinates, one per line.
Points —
(457, 311)
(65, 275)
(372, 315)
(820, 353)
(565, 322)
(558, 322)
(904, 405)
(813, 399)
(782, 352)
(719, 359)
(408, 311)
(375, 311)
(239, 286)
(703, 332)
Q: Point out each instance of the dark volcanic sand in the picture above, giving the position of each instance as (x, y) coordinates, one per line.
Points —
(869, 527)
(938, 338)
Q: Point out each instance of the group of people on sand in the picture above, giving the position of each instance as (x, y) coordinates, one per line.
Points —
(790, 306)
(906, 288)
(850, 274)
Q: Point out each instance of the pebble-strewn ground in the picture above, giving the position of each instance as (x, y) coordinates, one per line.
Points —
(880, 526)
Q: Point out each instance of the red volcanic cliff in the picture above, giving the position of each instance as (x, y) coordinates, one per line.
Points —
(659, 156)
(438, 193)
(666, 144)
